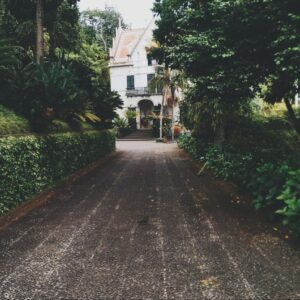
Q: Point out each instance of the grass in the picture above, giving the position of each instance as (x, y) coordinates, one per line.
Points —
(10, 123)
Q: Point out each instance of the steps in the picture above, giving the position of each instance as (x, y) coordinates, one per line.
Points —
(139, 135)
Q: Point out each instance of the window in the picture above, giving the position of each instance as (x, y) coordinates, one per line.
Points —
(149, 78)
(130, 82)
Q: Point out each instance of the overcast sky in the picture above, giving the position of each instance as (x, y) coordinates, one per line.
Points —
(135, 12)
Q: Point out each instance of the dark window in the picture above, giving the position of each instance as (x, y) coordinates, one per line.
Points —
(130, 82)
(149, 78)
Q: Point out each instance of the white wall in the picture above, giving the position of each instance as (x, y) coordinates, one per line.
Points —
(138, 66)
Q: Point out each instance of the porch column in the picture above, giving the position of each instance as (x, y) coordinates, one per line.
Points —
(138, 118)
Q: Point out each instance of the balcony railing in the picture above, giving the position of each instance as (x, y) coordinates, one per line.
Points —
(141, 92)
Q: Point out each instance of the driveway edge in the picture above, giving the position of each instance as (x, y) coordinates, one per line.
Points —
(42, 198)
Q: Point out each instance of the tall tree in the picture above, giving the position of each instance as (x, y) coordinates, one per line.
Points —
(229, 48)
(99, 26)
(39, 31)
(60, 23)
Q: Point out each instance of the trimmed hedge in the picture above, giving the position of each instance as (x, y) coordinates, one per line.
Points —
(30, 164)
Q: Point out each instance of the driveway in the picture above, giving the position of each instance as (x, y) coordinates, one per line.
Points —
(144, 226)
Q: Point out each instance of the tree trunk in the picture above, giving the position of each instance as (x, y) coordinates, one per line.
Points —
(173, 121)
(292, 116)
(173, 112)
(161, 117)
(39, 31)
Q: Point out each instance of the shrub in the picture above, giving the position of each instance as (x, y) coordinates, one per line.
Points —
(122, 127)
(53, 92)
(273, 186)
(30, 164)
(290, 196)
(267, 184)
(131, 117)
(59, 126)
(167, 123)
(10, 123)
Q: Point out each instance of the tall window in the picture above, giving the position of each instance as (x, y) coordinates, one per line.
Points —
(149, 78)
(130, 82)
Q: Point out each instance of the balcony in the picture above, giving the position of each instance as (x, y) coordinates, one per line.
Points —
(142, 92)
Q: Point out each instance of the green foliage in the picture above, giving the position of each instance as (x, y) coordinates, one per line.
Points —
(10, 123)
(92, 67)
(30, 164)
(98, 26)
(228, 49)
(291, 198)
(131, 117)
(73, 82)
(9, 57)
(60, 21)
(268, 184)
(58, 126)
(121, 125)
(167, 123)
(54, 87)
(275, 187)
(120, 122)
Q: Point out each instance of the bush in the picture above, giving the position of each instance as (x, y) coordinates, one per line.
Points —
(267, 184)
(54, 93)
(167, 123)
(273, 186)
(58, 126)
(122, 127)
(131, 117)
(30, 164)
(10, 123)
(290, 196)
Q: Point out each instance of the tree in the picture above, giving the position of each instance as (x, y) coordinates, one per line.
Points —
(170, 82)
(91, 63)
(60, 23)
(39, 31)
(98, 26)
(229, 48)
(63, 26)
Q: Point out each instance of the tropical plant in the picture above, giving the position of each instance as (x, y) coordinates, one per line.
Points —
(131, 117)
(52, 93)
(170, 83)
(120, 122)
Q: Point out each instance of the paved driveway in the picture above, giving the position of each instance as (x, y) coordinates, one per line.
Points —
(143, 226)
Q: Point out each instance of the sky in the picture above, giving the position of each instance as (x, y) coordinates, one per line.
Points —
(136, 13)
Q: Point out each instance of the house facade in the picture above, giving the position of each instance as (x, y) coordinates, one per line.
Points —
(131, 72)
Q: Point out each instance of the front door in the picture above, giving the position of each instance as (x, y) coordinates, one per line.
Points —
(146, 108)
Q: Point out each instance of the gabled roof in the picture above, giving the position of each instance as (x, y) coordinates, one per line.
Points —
(125, 43)
(128, 41)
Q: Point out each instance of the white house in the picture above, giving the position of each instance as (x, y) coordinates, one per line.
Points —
(131, 71)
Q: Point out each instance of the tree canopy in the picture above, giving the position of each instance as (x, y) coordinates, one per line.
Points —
(99, 26)
(70, 81)
(230, 48)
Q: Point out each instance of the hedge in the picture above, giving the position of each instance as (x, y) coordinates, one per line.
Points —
(30, 164)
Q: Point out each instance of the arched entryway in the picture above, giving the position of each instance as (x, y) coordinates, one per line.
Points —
(146, 107)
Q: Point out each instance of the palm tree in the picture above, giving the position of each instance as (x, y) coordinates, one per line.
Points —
(171, 82)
